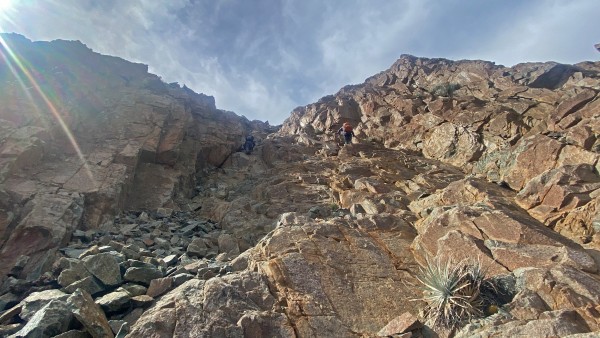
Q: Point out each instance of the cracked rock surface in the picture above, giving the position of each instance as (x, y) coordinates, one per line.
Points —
(153, 225)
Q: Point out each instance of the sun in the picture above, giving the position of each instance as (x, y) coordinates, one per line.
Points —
(5, 5)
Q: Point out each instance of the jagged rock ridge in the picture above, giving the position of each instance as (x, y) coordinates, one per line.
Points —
(456, 159)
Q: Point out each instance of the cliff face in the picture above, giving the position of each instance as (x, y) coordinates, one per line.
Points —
(156, 223)
(532, 127)
(85, 136)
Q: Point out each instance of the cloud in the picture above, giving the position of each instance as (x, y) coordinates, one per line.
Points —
(549, 31)
(263, 58)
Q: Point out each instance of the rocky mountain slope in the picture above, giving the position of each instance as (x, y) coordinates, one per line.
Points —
(154, 226)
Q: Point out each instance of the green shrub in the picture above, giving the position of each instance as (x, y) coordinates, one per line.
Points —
(445, 89)
(455, 292)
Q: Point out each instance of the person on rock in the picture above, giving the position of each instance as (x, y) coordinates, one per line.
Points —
(249, 144)
(346, 130)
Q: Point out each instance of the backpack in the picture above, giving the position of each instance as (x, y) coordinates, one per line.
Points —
(347, 128)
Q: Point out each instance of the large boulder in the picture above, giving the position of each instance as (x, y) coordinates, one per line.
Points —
(89, 314)
(48, 224)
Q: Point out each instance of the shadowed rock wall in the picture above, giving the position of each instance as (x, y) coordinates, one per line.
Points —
(84, 136)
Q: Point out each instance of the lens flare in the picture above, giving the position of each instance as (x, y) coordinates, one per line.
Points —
(6, 9)
(5, 5)
(18, 68)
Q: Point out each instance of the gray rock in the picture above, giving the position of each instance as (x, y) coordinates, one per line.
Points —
(116, 325)
(105, 267)
(93, 250)
(130, 263)
(164, 212)
(142, 301)
(6, 330)
(240, 262)
(75, 272)
(159, 252)
(176, 270)
(21, 262)
(186, 259)
(106, 248)
(206, 228)
(133, 289)
(73, 334)
(37, 300)
(7, 300)
(142, 274)
(181, 278)
(170, 260)
(9, 315)
(228, 245)
(50, 320)
(133, 316)
(89, 314)
(12, 284)
(72, 252)
(117, 246)
(123, 331)
(207, 273)
(114, 301)
(197, 248)
(90, 284)
(105, 240)
(131, 251)
(128, 229)
(143, 217)
(162, 243)
(79, 234)
(188, 230)
(152, 261)
(175, 240)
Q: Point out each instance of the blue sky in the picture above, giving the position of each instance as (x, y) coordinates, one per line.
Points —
(263, 58)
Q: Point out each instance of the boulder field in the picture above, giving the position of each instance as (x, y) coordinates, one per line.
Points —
(126, 208)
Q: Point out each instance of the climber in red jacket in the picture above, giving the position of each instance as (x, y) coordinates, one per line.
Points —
(346, 130)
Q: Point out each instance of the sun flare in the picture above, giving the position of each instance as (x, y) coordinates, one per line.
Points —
(5, 5)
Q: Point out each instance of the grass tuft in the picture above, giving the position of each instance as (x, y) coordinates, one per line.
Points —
(453, 292)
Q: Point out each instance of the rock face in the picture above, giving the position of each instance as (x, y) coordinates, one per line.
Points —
(512, 126)
(84, 144)
(163, 230)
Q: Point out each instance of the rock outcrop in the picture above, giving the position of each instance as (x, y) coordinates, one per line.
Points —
(85, 136)
(512, 126)
(154, 226)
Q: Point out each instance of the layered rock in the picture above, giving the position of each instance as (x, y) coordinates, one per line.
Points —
(86, 140)
(302, 238)
(512, 125)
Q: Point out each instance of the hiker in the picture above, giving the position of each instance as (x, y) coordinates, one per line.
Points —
(346, 130)
(249, 144)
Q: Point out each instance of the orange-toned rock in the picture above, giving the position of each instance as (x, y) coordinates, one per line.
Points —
(551, 195)
(403, 323)
(535, 155)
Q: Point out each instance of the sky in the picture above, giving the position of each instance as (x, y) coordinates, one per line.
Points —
(263, 58)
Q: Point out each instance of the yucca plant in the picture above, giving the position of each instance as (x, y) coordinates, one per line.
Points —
(445, 89)
(452, 292)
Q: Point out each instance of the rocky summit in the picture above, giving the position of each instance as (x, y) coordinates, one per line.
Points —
(128, 210)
